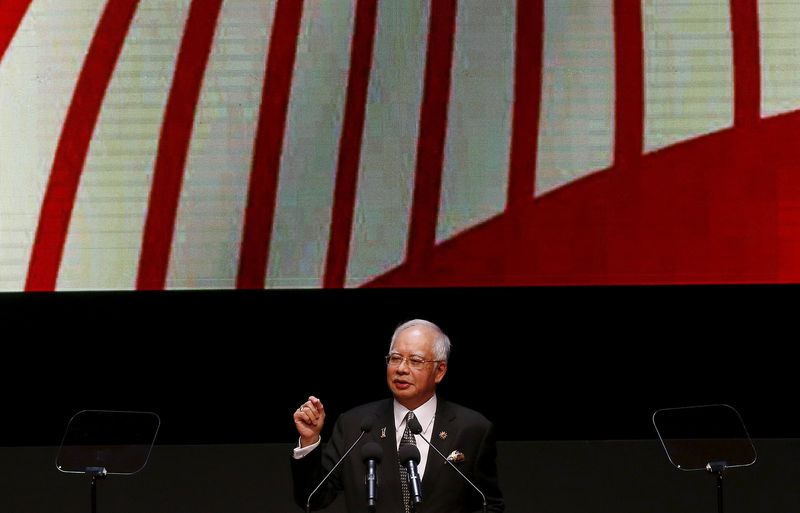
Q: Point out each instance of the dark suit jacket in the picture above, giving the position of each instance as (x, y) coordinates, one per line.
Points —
(443, 490)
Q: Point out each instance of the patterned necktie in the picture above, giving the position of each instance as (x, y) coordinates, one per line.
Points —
(408, 438)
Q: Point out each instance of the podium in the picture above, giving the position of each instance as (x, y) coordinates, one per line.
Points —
(710, 438)
(99, 443)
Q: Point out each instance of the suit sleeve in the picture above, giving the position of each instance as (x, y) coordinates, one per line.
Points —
(307, 472)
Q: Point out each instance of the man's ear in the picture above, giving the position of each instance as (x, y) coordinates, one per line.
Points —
(441, 370)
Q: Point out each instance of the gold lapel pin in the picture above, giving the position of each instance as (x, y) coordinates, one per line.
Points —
(443, 434)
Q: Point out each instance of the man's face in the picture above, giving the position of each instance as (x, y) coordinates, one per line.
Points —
(410, 386)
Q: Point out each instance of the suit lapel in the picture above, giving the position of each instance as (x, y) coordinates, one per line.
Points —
(444, 422)
(388, 470)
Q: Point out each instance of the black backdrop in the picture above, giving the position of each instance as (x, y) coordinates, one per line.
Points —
(544, 363)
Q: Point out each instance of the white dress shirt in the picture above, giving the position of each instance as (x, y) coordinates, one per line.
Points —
(425, 415)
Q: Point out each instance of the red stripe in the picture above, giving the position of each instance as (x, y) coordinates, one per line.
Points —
(529, 43)
(746, 62)
(628, 213)
(629, 77)
(73, 145)
(432, 131)
(527, 101)
(728, 211)
(260, 209)
(350, 144)
(11, 14)
(176, 132)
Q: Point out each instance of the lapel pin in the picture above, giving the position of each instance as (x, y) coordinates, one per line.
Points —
(383, 432)
(443, 434)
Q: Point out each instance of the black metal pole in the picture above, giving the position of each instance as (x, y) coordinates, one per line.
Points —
(717, 468)
(96, 473)
(94, 494)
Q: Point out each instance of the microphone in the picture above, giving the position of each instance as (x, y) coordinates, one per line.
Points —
(409, 457)
(416, 428)
(371, 454)
(366, 427)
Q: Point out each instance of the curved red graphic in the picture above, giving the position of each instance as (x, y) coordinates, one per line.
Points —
(722, 207)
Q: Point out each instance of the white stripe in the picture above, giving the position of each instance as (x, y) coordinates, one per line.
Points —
(576, 125)
(688, 70)
(475, 174)
(208, 228)
(780, 55)
(301, 228)
(38, 75)
(388, 156)
(104, 240)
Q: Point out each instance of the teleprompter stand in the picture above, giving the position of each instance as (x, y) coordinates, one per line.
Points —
(100, 443)
(708, 437)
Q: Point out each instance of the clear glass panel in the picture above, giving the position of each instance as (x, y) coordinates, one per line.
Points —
(103, 441)
(695, 437)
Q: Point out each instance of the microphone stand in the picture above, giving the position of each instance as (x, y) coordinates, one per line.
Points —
(483, 497)
(308, 501)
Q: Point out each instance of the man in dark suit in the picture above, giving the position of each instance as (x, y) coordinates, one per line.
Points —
(416, 363)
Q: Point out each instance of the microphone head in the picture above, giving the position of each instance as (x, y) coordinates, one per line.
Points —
(366, 423)
(414, 425)
(371, 451)
(408, 453)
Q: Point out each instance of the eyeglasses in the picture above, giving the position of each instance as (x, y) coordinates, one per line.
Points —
(415, 362)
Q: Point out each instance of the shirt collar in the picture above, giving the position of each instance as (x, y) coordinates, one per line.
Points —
(424, 414)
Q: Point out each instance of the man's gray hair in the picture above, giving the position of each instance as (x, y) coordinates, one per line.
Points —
(441, 343)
